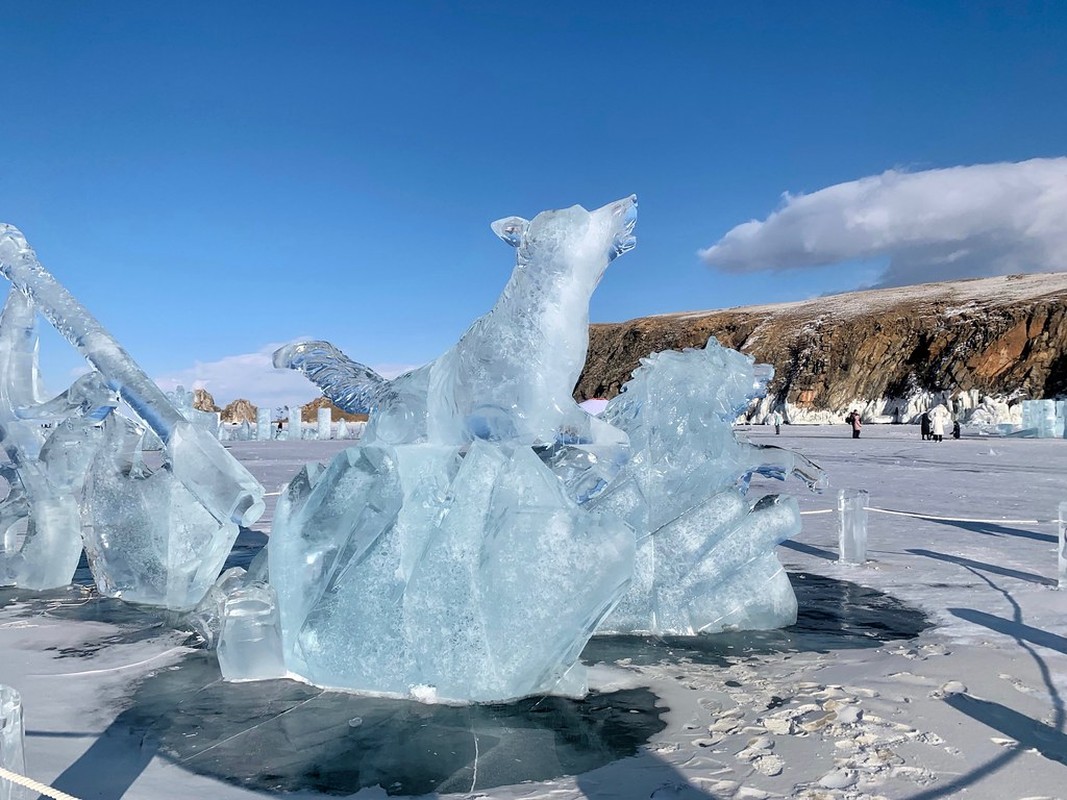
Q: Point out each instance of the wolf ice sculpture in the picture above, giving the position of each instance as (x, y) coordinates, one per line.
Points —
(487, 526)
(152, 536)
(510, 376)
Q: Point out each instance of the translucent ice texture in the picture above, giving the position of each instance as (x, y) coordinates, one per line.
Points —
(250, 645)
(510, 377)
(419, 565)
(40, 518)
(487, 525)
(154, 536)
(324, 422)
(151, 540)
(705, 559)
(263, 426)
(852, 525)
(12, 742)
(225, 488)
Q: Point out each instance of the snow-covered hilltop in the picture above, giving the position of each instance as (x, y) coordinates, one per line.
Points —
(888, 352)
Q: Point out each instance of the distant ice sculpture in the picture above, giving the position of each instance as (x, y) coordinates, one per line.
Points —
(1044, 419)
(263, 426)
(12, 741)
(852, 525)
(324, 423)
(156, 536)
(1061, 547)
(486, 526)
(342, 430)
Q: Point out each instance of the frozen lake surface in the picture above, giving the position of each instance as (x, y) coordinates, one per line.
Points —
(936, 670)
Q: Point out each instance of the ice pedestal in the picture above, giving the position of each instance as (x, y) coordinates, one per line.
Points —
(472, 573)
(296, 426)
(852, 533)
(12, 747)
(342, 430)
(324, 423)
(250, 641)
(263, 426)
(1061, 548)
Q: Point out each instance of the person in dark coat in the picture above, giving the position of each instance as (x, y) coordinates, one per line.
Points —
(956, 429)
(924, 426)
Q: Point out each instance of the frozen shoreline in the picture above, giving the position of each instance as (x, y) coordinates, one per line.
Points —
(972, 705)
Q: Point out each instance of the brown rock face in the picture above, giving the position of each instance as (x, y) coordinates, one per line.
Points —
(1001, 336)
(203, 401)
(239, 411)
(309, 412)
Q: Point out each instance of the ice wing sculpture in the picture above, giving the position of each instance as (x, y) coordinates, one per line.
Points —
(487, 526)
(181, 520)
(510, 377)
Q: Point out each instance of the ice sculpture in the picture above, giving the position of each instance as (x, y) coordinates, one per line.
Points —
(47, 465)
(296, 425)
(324, 423)
(510, 376)
(852, 525)
(342, 430)
(157, 536)
(705, 558)
(1061, 547)
(263, 426)
(12, 741)
(487, 526)
(420, 565)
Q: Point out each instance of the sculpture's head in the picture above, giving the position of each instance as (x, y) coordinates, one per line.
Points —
(572, 241)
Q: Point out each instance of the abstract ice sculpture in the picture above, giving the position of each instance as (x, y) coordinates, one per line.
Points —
(76, 470)
(487, 526)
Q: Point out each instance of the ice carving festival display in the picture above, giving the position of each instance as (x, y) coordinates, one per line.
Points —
(76, 470)
(483, 529)
(486, 526)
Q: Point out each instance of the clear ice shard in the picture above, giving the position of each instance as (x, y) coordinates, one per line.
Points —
(486, 526)
(154, 536)
(225, 487)
(12, 742)
(46, 469)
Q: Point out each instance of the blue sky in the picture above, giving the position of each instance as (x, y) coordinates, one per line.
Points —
(212, 179)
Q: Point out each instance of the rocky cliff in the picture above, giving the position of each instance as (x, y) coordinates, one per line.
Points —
(309, 412)
(240, 410)
(888, 351)
(203, 401)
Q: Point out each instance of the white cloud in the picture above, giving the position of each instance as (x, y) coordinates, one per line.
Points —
(973, 221)
(254, 377)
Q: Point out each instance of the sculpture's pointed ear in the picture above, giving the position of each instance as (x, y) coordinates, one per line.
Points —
(511, 229)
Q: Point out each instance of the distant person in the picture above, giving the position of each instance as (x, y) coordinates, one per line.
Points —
(956, 429)
(924, 425)
(937, 425)
(853, 419)
(775, 419)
